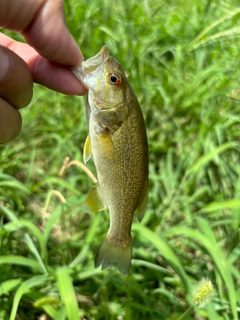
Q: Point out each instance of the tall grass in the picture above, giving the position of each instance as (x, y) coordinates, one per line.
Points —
(182, 60)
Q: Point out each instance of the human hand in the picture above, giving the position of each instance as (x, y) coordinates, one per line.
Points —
(50, 49)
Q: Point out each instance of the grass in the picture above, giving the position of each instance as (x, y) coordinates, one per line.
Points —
(183, 63)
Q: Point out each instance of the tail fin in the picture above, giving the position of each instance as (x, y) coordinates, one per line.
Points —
(114, 255)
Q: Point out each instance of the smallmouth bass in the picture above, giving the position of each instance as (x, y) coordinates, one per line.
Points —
(117, 141)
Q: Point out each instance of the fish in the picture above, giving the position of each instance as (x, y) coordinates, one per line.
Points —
(117, 142)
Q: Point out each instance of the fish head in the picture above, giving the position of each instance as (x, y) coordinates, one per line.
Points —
(102, 75)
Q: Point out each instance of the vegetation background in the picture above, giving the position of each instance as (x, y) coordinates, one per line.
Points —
(183, 61)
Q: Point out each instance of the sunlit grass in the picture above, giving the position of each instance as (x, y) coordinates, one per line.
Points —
(183, 62)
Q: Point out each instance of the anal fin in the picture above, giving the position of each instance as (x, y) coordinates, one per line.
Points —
(94, 201)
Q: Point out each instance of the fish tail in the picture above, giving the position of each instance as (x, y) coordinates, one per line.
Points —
(111, 254)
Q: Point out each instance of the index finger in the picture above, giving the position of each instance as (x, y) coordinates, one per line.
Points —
(52, 75)
(42, 23)
(49, 35)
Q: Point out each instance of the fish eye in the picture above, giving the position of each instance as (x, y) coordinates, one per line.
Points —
(115, 79)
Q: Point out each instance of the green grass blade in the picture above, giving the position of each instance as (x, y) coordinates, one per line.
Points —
(22, 261)
(17, 224)
(233, 204)
(10, 182)
(224, 35)
(11, 216)
(67, 293)
(165, 251)
(56, 214)
(9, 285)
(211, 155)
(208, 241)
(229, 204)
(221, 262)
(34, 250)
(50, 311)
(62, 314)
(197, 42)
(21, 223)
(60, 183)
(149, 265)
(23, 289)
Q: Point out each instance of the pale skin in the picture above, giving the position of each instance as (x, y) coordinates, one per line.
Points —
(44, 58)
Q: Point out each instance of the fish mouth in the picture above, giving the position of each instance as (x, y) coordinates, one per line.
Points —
(87, 67)
(94, 62)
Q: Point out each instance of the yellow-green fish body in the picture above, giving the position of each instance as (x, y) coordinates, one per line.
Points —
(118, 143)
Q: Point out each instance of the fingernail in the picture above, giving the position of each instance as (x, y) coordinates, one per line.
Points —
(4, 64)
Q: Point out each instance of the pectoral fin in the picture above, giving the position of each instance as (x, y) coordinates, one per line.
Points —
(143, 203)
(87, 150)
(94, 201)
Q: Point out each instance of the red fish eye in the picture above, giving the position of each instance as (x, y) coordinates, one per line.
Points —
(114, 79)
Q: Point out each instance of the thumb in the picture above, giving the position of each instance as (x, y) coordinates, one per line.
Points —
(16, 81)
(15, 92)
(10, 121)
